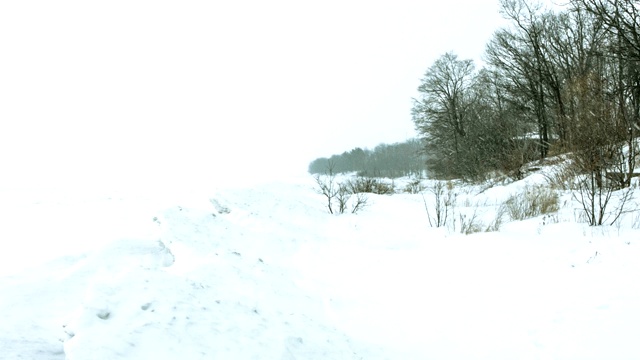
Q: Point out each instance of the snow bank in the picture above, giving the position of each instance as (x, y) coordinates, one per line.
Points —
(265, 273)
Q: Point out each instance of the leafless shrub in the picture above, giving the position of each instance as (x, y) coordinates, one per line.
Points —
(444, 201)
(415, 186)
(470, 224)
(595, 194)
(594, 187)
(370, 185)
(534, 201)
(327, 186)
(496, 224)
(359, 202)
(599, 151)
(560, 177)
(342, 197)
(339, 194)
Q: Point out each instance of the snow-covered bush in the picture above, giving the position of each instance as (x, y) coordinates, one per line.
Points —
(470, 224)
(537, 200)
(560, 177)
(599, 198)
(340, 196)
(496, 223)
(442, 205)
(327, 187)
(415, 186)
(370, 185)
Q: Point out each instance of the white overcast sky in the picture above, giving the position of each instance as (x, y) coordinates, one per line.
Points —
(101, 92)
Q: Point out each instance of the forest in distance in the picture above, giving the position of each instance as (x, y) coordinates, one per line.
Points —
(385, 160)
(561, 81)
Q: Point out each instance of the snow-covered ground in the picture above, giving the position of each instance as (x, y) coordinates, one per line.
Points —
(264, 272)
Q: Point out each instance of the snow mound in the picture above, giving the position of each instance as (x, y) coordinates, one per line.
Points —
(201, 291)
(267, 273)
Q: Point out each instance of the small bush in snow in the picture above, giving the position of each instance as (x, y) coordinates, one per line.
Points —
(339, 195)
(328, 187)
(470, 224)
(601, 193)
(560, 177)
(496, 224)
(414, 186)
(370, 185)
(358, 202)
(342, 197)
(346, 197)
(534, 201)
(601, 200)
(443, 203)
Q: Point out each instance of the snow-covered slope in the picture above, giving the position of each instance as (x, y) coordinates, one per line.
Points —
(265, 273)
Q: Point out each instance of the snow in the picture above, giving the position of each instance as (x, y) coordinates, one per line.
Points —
(264, 272)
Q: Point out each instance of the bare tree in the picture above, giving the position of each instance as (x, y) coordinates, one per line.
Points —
(359, 201)
(621, 52)
(339, 194)
(443, 204)
(441, 115)
(621, 18)
(520, 56)
(599, 143)
(327, 185)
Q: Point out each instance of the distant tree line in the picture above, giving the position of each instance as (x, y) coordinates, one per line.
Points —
(391, 161)
(555, 82)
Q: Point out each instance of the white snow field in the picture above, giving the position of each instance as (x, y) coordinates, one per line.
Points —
(264, 272)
